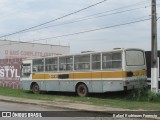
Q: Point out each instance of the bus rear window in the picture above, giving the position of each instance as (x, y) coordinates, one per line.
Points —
(135, 58)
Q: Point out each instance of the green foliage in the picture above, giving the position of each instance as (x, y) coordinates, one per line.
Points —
(153, 97)
(138, 94)
(141, 98)
(143, 94)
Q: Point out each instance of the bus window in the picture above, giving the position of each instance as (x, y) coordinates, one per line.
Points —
(96, 61)
(38, 65)
(26, 70)
(82, 62)
(112, 60)
(116, 60)
(135, 58)
(66, 63)
(51, 64)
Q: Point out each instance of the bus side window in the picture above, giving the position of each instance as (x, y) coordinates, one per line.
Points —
(82, 62)
(51, 64)
(112, 60)
(117, 60)
(35, 69)
(66, 63)
(38, 65)
(96, 61)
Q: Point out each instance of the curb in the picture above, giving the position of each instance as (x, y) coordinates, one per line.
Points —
(71, 106)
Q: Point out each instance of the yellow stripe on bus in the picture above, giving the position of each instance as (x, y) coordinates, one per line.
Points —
(90, 75)
(40, 76)
(119, 74)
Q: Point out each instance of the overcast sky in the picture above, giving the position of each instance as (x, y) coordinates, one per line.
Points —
(21, 14)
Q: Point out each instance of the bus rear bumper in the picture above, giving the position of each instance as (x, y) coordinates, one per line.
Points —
(133, 84)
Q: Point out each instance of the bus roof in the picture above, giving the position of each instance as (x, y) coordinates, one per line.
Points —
(85, 53)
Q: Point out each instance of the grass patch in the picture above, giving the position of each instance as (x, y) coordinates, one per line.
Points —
(138, 99)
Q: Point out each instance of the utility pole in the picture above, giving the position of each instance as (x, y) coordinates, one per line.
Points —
(154, 65)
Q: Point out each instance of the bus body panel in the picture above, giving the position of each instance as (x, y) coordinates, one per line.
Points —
(97, 86)
(69, 86)
(103, 72)
(111, 86)
(25, 84)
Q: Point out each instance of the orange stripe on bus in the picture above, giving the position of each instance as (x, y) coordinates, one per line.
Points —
(90, 75)
(40, 76)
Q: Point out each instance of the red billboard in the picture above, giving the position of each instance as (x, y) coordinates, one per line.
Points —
(10, 72)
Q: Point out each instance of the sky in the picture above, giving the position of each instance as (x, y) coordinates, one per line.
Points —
(17, 15)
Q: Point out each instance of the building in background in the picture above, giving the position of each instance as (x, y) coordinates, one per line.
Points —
(12, 52)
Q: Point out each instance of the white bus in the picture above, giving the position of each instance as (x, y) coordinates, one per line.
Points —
(92, 72)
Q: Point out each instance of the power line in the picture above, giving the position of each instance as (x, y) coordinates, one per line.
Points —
(87, 31)
(92, 30)
(158, 18)
(87, 18)
(131, 5)
(29, 29)
(53, 19)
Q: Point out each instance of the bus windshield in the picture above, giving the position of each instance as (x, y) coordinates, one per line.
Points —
(26, 70)
(135, 58)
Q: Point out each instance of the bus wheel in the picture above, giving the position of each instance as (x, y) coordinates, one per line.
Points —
(35, 88)
(82, 90)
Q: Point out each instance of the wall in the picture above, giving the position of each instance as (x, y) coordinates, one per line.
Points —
(10, 72)
(12, 52)
(14, 49)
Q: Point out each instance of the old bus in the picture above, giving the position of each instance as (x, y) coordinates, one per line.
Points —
(91, 72)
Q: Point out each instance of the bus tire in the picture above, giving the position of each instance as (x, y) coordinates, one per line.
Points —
(35, 88)
(82, 90)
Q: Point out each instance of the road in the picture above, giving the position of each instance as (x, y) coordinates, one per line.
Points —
(7, 106)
